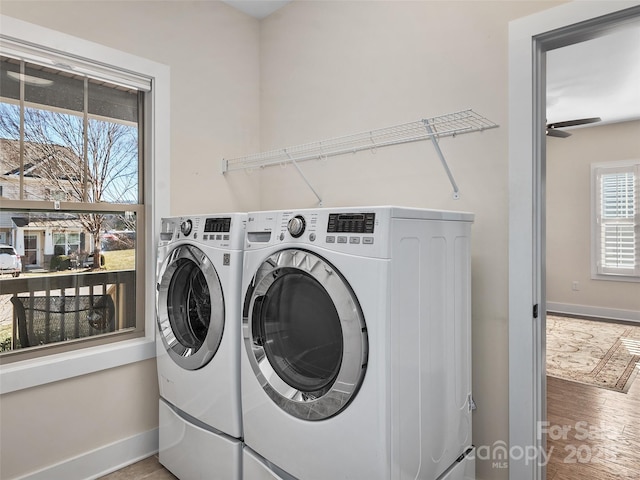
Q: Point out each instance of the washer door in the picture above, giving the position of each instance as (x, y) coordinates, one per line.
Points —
(305, 334)
(190, 307)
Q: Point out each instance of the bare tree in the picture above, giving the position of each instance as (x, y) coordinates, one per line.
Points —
(101, 166)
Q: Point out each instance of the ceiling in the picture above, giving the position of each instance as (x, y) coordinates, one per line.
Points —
(257, 8)
(595, 78)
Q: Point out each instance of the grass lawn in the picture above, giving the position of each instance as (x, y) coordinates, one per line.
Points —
(5, 337)
(120, 259)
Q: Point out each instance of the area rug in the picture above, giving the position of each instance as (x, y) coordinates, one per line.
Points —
(603, 354)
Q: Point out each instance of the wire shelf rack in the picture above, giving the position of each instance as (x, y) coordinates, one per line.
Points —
(451, 124)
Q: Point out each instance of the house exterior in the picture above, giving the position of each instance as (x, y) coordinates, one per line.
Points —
(38, 237)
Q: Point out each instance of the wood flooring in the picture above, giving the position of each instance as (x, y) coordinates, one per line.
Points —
(147, 469)
(592, 433)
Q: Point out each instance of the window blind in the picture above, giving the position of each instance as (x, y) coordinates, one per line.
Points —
(48, 57)
(619, 245)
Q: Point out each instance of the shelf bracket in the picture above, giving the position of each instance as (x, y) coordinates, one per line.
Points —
(306, 180)
(449, 125)
(434, 139)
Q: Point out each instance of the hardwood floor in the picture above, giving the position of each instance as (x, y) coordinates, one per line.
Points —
(592, 433)
(147, 469)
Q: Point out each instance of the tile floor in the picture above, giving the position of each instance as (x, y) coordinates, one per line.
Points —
(147, 469)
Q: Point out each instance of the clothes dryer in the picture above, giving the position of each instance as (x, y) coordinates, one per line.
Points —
(199, 270)
(357, 343)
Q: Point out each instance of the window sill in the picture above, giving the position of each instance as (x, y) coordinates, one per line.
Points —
(52, 368)
(615, 278)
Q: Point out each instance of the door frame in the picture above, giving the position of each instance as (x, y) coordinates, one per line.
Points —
(529, 40)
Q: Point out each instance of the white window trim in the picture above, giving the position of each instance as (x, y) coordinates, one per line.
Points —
(51, 368)
(595, 227)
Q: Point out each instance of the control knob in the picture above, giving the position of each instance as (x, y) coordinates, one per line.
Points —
(296, 226)
(185, 227)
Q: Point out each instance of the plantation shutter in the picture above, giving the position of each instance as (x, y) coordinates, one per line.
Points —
(619, 249)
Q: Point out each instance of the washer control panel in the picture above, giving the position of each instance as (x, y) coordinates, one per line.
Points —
(226, 230)
(334, 229)
(352, 228)
(351, 222)
(363, 231)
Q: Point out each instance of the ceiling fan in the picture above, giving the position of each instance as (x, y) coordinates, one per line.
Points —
(552, 128)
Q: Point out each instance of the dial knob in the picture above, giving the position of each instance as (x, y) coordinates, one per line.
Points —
(185, 227)
(296, 226)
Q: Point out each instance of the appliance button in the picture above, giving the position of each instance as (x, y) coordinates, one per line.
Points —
(330, 239)
(342, 239)
(354, 240)
(367, 240)
(312, 237)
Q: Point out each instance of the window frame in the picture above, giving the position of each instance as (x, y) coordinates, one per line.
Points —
(598, 271)
(53, 367)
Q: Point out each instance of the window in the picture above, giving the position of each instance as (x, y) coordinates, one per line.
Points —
(77, 138)
(616, 192)
(26, 41)
(66, 243)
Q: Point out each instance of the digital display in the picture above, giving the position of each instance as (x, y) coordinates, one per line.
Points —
(351, 222)
(217, 225)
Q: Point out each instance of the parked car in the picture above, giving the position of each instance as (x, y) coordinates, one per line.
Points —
(88, 262)
(118, 240)
(10, 261)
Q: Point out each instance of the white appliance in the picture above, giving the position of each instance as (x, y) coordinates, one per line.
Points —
(357, 335)
(256, 467)
(198, 341)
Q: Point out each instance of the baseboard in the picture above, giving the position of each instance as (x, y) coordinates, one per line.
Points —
(101, 461)
(595, 312)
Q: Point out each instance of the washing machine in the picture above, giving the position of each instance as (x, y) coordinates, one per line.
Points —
(198, 341)
(256, 467)
(357, 343)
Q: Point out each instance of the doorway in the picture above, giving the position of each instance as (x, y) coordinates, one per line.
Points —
(592, 400)
(529, 40)
(30, 250)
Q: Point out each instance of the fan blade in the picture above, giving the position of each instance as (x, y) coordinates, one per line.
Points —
(573, 123)
(552, 132)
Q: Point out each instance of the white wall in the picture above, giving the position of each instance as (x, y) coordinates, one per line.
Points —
(334, 68)
(212, 51)
(45, 425)
(324, 69)
(569, 218)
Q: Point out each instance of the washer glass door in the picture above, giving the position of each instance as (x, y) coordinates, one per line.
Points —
(305, 334)
(190, 307)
